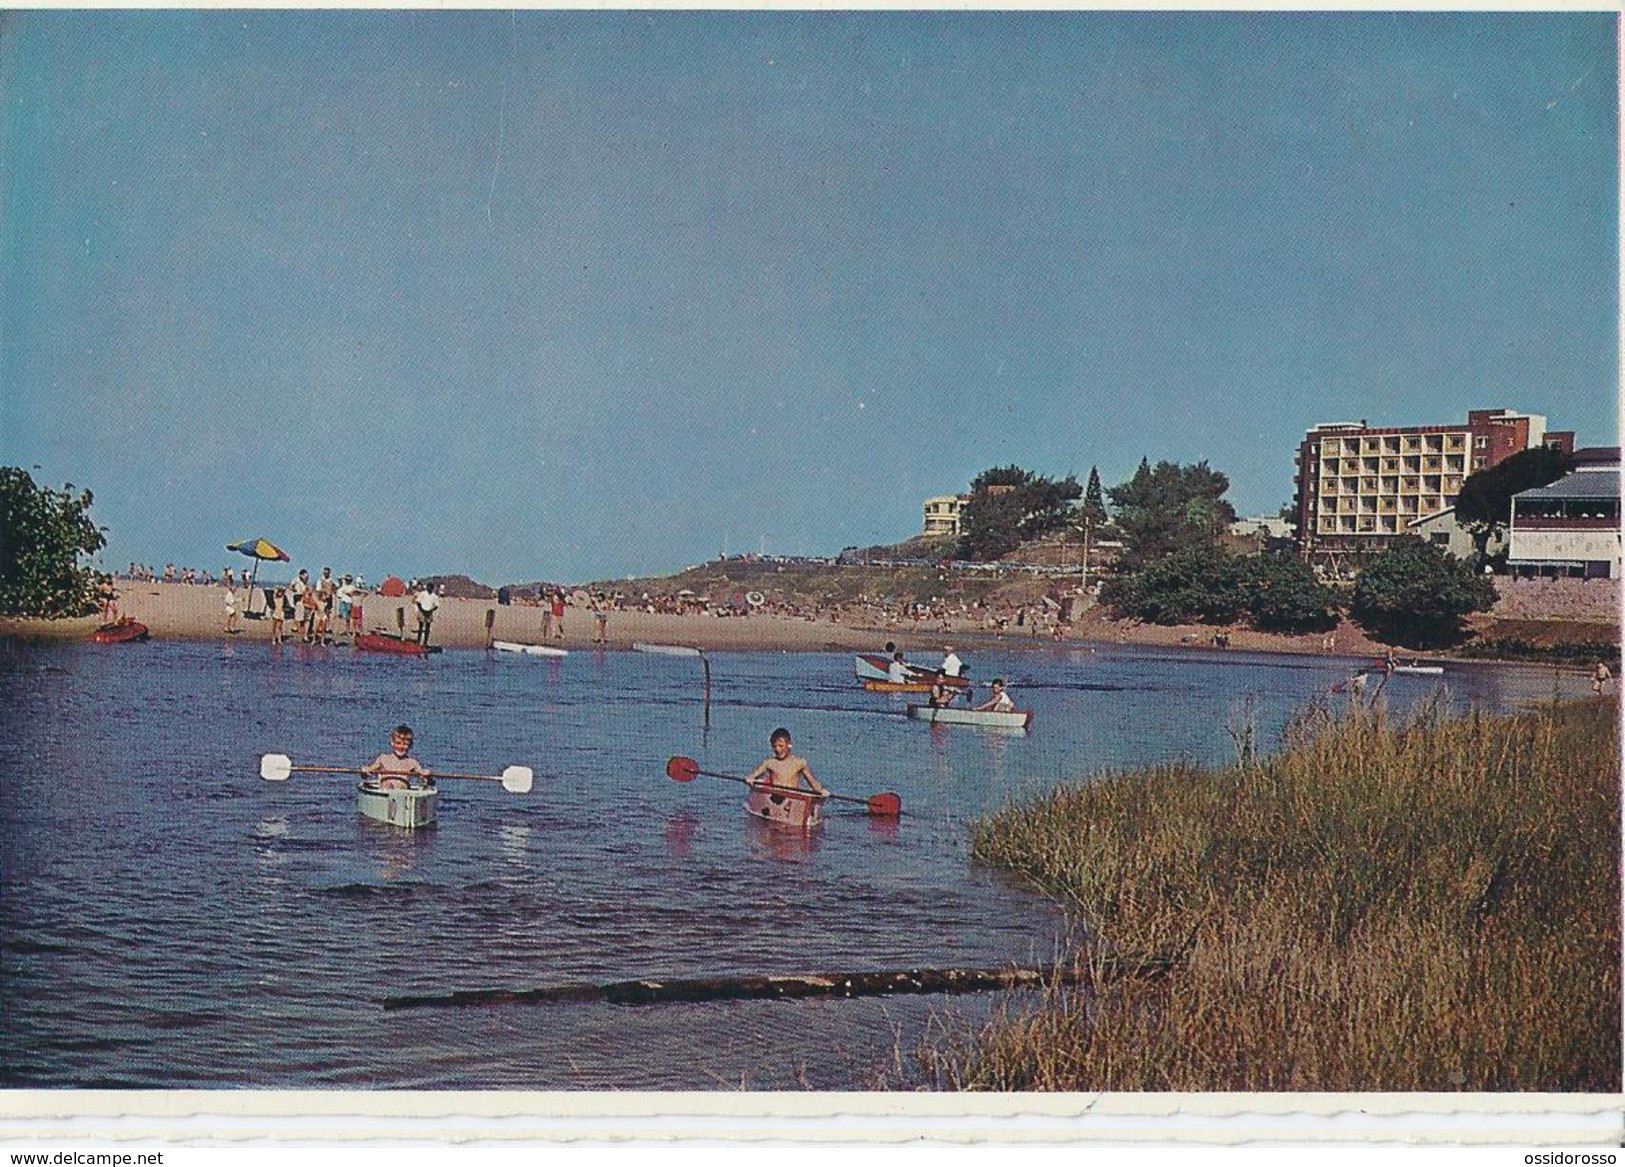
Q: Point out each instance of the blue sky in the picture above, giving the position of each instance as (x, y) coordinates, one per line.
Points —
(572, 295)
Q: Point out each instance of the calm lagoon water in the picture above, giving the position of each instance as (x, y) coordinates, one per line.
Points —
(170, 920)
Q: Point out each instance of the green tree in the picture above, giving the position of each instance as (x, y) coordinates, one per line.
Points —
(1197, 585)
(1416, 594)
(1094, 503)
(44, 533)
(1009, 506)
(1484, 505)
(1284, 595)
(1169, 508)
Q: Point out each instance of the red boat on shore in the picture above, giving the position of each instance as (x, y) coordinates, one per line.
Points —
(121, 632)
(400, 646)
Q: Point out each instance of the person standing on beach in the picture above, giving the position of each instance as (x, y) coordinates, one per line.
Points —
(1600, 676)
(326, 591)
(546, 601)
(558, 614)
(231, 611)
(600, 616)
(296, 596)
(279, 601)
(428, 603)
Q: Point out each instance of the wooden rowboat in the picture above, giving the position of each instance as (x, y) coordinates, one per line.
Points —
(798, 809)
(1015, 719)
(408, 807)
(872, 666)
(873, 686)
(120, 632)
(384, 642)
(528, 649)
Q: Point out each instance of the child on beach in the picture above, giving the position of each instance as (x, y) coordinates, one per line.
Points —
(231, 611)
(279, 600)
(784, 770)
(397, 768)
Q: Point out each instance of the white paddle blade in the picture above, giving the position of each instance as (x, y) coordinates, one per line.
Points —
(276, 767)
(517, 779)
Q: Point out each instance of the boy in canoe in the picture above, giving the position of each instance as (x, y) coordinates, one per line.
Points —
(784, 770)
(999, 701)
(942, 693)
(396, 768)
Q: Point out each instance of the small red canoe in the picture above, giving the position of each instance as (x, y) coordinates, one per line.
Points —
(800, 809)
(383, 642)
(120, 632)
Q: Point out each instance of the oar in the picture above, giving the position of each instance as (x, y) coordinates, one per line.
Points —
(277, 767)
(880, 805)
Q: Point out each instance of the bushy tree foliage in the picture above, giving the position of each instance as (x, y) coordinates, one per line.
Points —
(1484, 505)
(1026, 506)
(1273, 593)
(1416, 594)
(1197, 585)
(1285, 595)
(1170, 508)
(44, 534)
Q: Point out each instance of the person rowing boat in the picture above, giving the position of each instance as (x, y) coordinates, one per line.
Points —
(783, 770)
(776, 795)
(998, 702)
(396, 769)
(942, 693)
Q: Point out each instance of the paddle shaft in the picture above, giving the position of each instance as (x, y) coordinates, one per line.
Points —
(765, 786)
(364, 774)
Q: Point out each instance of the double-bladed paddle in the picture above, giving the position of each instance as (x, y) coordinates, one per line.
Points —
(880, 805)
(277, 767)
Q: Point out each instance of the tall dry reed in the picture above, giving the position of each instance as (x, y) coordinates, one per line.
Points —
(1429, 904)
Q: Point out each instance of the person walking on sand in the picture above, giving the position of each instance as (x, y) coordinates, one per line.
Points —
(397, 768)
(600, 616)
(1600, 676)
(231, 611)
(782, 769)
(557, 609)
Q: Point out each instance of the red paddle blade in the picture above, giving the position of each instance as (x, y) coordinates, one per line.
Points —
(885, 805)
(682, 769)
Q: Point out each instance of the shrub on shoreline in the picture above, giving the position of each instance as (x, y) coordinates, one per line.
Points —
(1429, 905)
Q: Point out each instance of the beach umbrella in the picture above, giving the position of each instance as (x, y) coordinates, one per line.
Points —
(257, 549)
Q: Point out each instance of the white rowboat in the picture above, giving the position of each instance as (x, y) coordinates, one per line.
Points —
(666, 649)
(1016, 719)
(408, 807)
(528, 649)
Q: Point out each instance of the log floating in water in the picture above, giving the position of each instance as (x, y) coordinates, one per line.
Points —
(861, 984)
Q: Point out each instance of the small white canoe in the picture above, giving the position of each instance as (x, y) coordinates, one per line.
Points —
(1017, 719)
(666, 649)
(528, 649)
(408, 807)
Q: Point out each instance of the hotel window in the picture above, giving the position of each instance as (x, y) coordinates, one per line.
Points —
(1481, 442)
(1478, 463)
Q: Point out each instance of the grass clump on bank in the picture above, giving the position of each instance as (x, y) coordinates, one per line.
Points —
(1424, 906)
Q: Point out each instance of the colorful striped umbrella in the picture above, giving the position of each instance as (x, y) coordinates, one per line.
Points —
(257, 549)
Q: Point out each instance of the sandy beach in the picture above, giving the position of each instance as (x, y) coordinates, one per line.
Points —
(198, 612)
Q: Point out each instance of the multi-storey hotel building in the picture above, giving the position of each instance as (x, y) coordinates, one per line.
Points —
(1359, 486)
